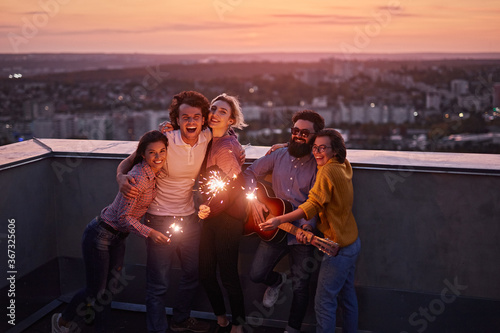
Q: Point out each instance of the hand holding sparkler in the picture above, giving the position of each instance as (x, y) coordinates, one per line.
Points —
(158, 237)
(204, 212)
(213, 184)
(174, 228)
(211, 187)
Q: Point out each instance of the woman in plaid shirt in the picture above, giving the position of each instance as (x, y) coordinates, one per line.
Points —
(103, 241)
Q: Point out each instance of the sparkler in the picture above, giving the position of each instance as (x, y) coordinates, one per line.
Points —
(175, 228)
(251, 195)
(214, 185)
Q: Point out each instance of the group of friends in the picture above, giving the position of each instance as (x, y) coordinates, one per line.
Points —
(156, 193)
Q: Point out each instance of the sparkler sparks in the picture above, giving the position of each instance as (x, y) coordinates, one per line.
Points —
(214, 185)
(175, 228)
(251, 196)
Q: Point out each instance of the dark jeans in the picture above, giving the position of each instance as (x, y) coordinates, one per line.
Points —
(303, 263)
(103, 254)
(159, 262)
(219, 246)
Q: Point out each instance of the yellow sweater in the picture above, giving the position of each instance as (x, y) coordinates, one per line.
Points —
(332, 197)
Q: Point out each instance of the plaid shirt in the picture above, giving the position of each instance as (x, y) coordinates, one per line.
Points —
(125, 214)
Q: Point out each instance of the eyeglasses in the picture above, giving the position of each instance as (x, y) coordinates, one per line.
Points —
(320, 148)
(301, 132)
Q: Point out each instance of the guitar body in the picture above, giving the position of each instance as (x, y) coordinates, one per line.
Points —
(276, 207)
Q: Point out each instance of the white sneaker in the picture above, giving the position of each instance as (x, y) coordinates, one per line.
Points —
(55, 324)
(272, 293)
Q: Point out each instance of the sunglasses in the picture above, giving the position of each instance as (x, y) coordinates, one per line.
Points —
(320, 149)
(301, 132)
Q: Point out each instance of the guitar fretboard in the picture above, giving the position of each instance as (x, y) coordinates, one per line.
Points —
(288, 227)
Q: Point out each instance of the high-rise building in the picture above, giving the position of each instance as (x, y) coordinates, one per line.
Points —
(459, 87)
(496, 95)
(432, 100)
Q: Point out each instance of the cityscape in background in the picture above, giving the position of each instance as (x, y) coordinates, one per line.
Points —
(411, 102)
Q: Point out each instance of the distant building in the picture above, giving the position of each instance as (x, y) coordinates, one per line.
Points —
(459, 87)
(57, 127)
(402, 114)
(121, 126)
(128, 125)
(496, 95)
(469, 102)
(363, 114)
(320, 102)
(35, 110)
(252, 112)
(311, 76)
(343, 69)
(93, 127)
(432, 100)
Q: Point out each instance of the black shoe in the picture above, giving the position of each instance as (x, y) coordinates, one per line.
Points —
(191, 324)
(223, 329)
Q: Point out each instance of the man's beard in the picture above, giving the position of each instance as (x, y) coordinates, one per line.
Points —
(299, 149)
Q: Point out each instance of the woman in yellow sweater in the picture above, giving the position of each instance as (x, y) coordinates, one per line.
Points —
(331, 197)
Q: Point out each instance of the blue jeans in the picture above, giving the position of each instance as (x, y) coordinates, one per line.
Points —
(336, 278)
(159, 262)
(303, 263)
(103, 254)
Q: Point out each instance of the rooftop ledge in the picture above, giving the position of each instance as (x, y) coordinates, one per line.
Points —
(36, 149)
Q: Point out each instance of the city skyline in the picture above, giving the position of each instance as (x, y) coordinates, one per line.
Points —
(238, 26)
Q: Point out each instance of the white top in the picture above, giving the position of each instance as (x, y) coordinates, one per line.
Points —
(174, 196)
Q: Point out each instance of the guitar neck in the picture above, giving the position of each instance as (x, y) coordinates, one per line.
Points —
(288, 227)
(291, 229)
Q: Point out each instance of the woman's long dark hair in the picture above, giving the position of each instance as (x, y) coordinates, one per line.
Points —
(146, 139)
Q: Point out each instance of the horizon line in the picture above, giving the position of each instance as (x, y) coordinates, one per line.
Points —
(253, 53)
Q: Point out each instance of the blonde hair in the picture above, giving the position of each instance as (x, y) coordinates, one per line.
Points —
(236, 114)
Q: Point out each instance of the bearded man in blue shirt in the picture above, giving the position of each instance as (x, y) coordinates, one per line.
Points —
(293, 170)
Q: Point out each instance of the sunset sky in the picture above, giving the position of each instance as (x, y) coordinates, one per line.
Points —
(248, 26)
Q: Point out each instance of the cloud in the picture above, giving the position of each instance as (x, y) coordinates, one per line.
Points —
(8, 26)
(34, 13)
(168, 27)
(319, 17)
(322, 19)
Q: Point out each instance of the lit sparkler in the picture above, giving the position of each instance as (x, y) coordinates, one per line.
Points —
(214, 185)
(173, 229)
(251, 195)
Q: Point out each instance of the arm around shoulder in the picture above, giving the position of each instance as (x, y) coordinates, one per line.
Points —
(125, 181)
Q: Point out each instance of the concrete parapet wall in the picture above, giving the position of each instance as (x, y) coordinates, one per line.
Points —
(426, 224)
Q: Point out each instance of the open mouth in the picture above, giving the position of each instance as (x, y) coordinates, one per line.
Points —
(318, 157)
(191, 129)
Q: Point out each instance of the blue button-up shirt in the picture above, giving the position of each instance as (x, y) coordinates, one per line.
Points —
(292, 178)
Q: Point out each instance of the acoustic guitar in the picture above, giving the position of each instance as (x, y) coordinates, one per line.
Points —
(277, 207)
